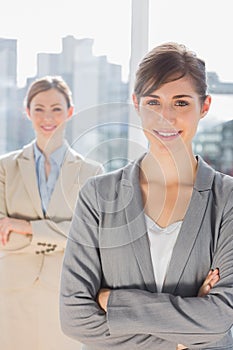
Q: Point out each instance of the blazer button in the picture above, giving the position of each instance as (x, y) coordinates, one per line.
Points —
(50, 247)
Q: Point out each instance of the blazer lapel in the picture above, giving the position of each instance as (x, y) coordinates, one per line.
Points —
(69, 175)
(136, 224)
(28, 171)
(190, 227)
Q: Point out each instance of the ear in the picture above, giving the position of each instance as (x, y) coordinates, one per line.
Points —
(70, 112)
(28, 113)
(206, 106)
(135, 102)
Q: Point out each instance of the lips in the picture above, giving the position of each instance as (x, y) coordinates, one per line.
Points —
(48, 127)
(167, 134)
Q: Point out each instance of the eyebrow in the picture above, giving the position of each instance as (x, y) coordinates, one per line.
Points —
(55, 104)
(174, 97)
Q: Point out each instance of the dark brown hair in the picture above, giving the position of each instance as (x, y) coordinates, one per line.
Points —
(169, 62)
(47, 83)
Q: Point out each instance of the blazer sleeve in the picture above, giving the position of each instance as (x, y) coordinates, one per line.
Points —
(15, 241)
(80, 315)
(195, 322)
(49, 230)
(2, 192)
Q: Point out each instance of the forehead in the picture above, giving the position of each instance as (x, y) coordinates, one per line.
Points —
(50, 96)
(182, 86)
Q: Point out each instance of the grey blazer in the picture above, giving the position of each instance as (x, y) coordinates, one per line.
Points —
(108, 247)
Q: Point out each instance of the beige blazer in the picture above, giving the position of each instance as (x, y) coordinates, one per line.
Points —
(22, 260)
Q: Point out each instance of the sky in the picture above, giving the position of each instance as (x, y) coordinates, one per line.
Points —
(205, 26)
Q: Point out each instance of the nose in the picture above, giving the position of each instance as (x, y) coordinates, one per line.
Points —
(48, 115)
(167, 115)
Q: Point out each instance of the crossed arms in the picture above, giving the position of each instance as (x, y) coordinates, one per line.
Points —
(137, 318)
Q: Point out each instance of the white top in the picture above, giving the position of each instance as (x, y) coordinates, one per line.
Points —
(162, 241)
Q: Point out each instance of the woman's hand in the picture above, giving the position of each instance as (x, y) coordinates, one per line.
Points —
(181, 347)
(8, 225)
(102, 298)
(211, 279)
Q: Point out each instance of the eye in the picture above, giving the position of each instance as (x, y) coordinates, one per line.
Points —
(57, 109)
(181, 103)
(38, 109)
(153, 102)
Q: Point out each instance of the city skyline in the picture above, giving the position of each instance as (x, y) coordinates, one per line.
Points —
(40, 29)
(101, 86)
(125, 79)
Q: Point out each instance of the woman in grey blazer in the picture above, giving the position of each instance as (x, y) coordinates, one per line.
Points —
(38, 190)
(144, 237)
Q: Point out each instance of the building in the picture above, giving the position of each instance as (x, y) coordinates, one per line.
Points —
(216, 86)
(8, 80)
(215, 146)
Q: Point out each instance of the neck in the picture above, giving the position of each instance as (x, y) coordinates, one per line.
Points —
(169, 169)
(49, 146)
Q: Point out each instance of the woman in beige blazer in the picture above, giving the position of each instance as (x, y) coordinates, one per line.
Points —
(38, 190)
(144, 237)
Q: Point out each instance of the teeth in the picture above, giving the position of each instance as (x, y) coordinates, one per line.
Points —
(167, 134)
(48, 127)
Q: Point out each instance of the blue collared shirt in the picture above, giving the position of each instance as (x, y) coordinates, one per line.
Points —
(46, 187)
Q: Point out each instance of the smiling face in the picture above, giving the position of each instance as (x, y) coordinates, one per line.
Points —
(170, 114)
(48, 112)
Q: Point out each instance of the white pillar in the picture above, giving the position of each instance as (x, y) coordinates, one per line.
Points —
(139, 47)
